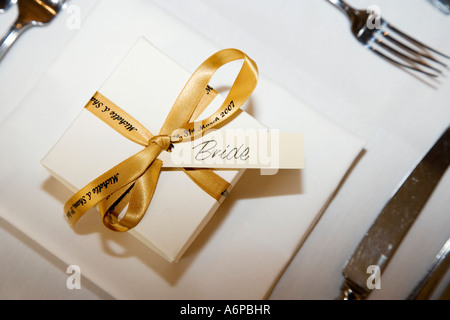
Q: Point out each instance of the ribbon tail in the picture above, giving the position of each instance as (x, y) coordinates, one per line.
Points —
(137, 196)
(209, 181)
(110, 182)
(115, 203)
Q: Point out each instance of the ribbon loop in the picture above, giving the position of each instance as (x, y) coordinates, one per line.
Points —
(133, 182)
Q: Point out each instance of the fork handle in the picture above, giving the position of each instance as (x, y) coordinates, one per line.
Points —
(340, 4)
(16, 29)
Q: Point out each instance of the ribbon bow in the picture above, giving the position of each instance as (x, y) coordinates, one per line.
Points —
(133, 182)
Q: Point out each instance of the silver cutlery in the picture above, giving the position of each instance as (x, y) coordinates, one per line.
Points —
(387, 232)
(443, 5)
(31, 13)
(5, 4)
(426, 287)
(391, 44)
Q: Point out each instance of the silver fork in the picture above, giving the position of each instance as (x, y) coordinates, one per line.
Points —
(5, 4)
(31, 13)
(390, 43)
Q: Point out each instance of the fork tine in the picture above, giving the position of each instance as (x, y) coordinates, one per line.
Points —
(412, 51)
(407, 48)
(405, 57)
(412, 56)
(389, 59)
(417, 43)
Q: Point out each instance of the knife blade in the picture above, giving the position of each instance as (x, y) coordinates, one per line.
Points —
(392, 224)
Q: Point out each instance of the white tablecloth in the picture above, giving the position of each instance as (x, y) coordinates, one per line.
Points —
(306, 47)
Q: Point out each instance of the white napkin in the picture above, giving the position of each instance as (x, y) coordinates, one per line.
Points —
(249, 242)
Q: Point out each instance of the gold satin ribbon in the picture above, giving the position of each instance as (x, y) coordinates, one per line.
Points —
(133, 181)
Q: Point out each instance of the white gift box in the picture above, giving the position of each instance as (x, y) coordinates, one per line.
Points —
(145, 84)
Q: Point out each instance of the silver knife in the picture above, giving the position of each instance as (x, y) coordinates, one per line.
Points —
(387, 232)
